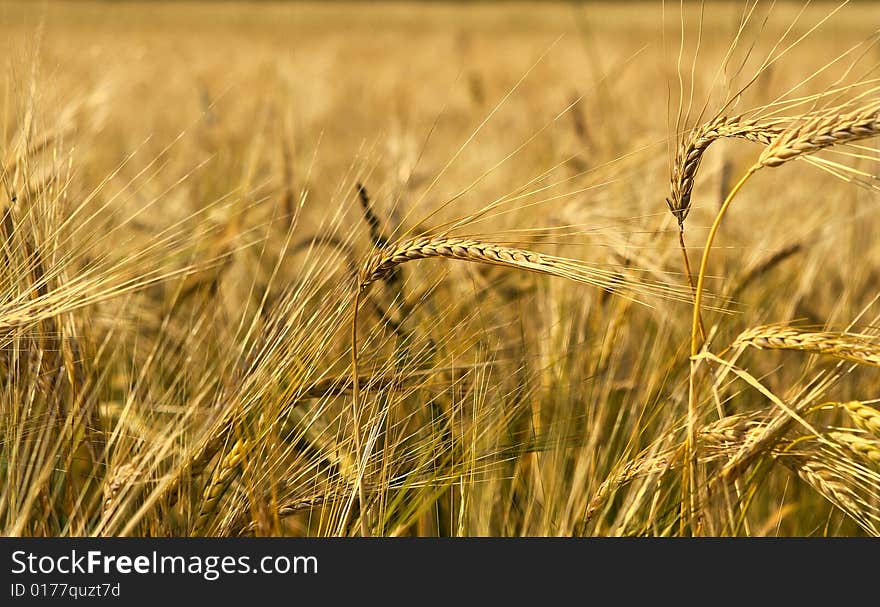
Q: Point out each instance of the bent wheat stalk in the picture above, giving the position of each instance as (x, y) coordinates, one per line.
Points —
(807, 137)
(687, 162)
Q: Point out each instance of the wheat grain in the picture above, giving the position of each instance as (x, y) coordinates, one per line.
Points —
(219, 483)
(690, 155)
(865, 417)
(383, 263)
(868, 448)
(720, 438)
(823, 131)
(853, 348)
(122, 476)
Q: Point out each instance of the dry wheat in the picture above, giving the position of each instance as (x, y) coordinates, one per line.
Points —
(122, 476)
(853, 348)
(867, 447)
(690, 155)
(385, 261)
(864, 416)
(824, 480)
(823, 131)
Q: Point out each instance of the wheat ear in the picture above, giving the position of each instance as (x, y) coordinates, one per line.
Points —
(864, 416)
(122, 476)
(690, 155)
(804, 138)
(824, 480)
(219, 483)
(385, 261)
(823, 131)
(720, 438)
(853, 348)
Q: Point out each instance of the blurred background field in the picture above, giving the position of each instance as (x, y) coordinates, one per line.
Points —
(188, 171)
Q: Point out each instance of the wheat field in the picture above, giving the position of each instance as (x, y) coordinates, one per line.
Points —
(429, 269)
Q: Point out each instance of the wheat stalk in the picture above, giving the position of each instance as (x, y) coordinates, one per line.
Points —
(685, 167)
(853, 348)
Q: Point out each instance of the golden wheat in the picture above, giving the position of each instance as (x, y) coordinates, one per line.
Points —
(864, 416)
(690, 154)
(867, 447)
(219, 483)
(844, 346)
(822, 131)
(825, 480)
(382, 263)
(123, 476)
(721, 438)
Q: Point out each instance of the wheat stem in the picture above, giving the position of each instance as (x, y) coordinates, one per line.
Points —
(689, 496)
(356, 413)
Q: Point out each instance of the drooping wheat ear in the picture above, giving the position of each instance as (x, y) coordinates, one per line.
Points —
(825, 480)
(825, 130)
(122, 476)
(720, 438)
(384, 261)
(765, 439)
(854, 348)
(867, 447)
(690, 154)
(865, 417)
(219, 483)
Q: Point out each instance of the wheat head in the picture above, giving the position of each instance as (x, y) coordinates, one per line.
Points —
(843, 346)
(823, 131)
(690, 155)
(383, 262)
(865, 417)
(867, 447)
